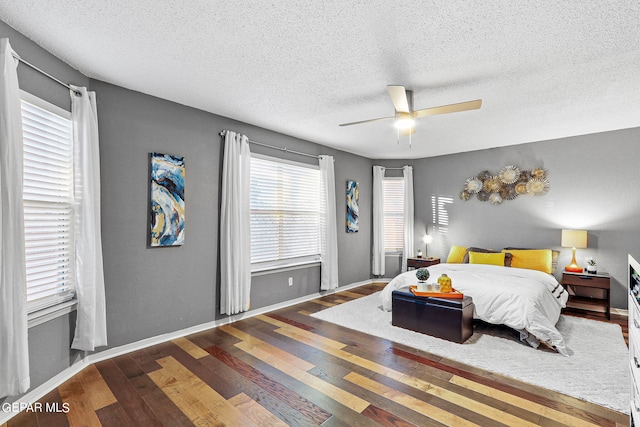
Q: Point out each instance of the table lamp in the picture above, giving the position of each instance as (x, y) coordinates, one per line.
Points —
(574, 239)
(426, 239)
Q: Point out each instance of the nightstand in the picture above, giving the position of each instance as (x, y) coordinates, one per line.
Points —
(588, 292)
(421, 262)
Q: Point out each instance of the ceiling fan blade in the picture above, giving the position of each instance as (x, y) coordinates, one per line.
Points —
(399, 98)
(366, 121)
(451, 108)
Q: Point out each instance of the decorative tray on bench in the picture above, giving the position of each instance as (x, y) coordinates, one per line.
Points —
(451, 295)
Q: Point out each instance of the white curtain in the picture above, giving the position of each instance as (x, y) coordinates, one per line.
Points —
(14, 349)
(329, 233)
(235, 225)
(91, 322)
(407, 173)
(378, 221)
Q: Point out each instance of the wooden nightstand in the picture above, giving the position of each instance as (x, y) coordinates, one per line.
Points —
(421, 262)
(588, 292)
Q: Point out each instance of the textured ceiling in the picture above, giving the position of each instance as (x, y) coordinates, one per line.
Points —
(544, 69)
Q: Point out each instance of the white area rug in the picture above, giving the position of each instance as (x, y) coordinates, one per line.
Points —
(596, 370)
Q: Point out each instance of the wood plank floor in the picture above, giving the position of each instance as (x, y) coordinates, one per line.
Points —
(287, 368)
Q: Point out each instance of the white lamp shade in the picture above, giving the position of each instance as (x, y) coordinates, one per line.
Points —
(574, 239)
(427, 239)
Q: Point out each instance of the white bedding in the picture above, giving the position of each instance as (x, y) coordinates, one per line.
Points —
(528, 301)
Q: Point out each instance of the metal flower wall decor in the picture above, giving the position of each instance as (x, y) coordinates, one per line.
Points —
(510, 183)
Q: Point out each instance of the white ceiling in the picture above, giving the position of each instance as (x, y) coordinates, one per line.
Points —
(544, 69)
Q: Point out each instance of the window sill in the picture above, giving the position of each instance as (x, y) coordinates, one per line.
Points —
(277, 269)
(41, 316)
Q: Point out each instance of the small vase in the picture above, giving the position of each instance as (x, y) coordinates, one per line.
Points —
(445, 283)
(592, 269)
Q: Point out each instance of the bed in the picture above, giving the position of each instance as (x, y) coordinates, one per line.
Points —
(526, 300)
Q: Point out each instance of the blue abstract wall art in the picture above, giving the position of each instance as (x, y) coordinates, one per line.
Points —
(167, 200)
(353, 193)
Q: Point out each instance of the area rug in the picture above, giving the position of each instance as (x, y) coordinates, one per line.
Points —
(596, 370)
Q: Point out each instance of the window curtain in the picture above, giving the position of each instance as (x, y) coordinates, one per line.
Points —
(91, 321)
(329, 228)
(378, 221)
(235, 225)
(14, 349)
(407, 173)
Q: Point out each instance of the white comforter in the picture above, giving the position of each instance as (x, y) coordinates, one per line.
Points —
(528, 301)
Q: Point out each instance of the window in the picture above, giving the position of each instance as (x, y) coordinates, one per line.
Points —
(48, 201)
(393, 189)
(286, 200)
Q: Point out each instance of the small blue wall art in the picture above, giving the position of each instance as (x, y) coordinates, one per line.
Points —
(352, 206)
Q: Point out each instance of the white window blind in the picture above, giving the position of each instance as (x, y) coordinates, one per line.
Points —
(48, 198)
(393, 214)
(285, 212)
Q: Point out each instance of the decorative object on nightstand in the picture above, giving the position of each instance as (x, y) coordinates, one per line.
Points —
(588, 292)
(419, 255)
(574, 239)
(592, 266)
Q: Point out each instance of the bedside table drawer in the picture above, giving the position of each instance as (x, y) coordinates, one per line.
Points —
(586, 281)
(588, 292)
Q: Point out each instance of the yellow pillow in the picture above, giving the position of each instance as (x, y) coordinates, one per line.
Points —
(487, 258)
(532, 259)
(456, 254)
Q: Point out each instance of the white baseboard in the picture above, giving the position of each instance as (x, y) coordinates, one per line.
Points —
(620, 311)
(43, 389)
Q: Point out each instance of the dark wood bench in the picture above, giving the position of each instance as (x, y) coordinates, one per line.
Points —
(449, 319)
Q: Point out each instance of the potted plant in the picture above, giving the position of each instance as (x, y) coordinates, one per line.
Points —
(592, 266)
(422, 274)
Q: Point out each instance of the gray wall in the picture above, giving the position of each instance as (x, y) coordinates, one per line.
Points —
(151, 291)
(592, 187)
(161, 290)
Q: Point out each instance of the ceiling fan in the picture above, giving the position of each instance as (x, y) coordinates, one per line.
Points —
(405, 115)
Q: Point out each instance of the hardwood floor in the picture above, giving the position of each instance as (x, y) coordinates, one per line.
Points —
(288, 368)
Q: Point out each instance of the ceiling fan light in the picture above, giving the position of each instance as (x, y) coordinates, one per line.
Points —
(404, 121)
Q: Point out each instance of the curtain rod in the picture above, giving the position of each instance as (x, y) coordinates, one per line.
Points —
(285, 149)
(46, 74)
